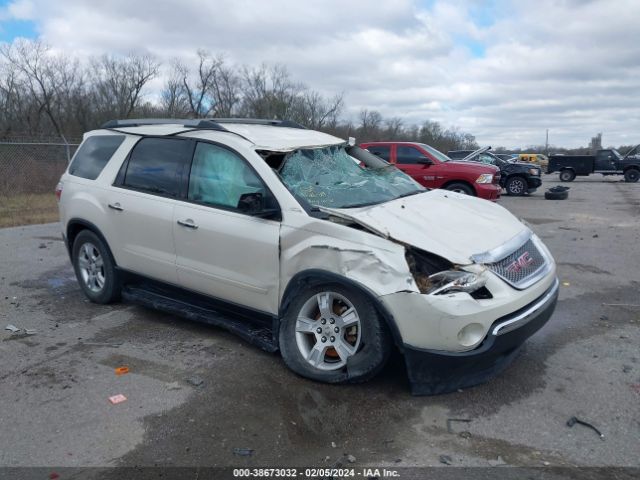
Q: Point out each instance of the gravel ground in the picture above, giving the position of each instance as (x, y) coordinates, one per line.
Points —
(584, 363)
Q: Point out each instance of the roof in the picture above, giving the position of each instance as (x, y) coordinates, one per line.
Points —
(273, 135)
(266, 137)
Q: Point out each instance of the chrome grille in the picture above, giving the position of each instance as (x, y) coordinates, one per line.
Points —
(520, 266)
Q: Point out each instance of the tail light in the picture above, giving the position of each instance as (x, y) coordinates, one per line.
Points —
(58, 191)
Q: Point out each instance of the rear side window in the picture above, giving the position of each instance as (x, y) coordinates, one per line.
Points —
(93, 155)
(155, 165)
(381, 151)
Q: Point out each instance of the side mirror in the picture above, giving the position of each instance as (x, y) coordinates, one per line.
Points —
(425, 161)
(251, 203)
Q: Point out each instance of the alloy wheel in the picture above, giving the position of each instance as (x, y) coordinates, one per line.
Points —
(328, 331)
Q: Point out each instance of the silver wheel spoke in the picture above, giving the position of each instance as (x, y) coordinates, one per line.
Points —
(83, 262)
(316, 354)
(348, 318)
(99, 262)
(325, 302)
(305, 325)
(344, 349)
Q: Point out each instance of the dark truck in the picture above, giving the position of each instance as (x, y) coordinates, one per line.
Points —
(517, 178)
(606, 162)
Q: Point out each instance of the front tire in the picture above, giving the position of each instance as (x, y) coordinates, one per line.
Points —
(95, 268)
(632, 175)
(333, 334)
(461, 188)
(516, 186)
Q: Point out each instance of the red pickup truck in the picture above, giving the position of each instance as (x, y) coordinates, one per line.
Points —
(434, 169)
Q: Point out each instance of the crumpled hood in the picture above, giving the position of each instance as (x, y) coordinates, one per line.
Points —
(448, 224)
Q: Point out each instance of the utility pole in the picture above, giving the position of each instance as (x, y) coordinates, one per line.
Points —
(546, 144)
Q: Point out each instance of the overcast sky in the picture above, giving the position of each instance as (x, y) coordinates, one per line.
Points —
(504, 71)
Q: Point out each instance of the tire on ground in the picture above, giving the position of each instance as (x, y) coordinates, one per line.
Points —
(556, 195)
(632, 175)
(371, 356)
(110, 291)
(460, 188)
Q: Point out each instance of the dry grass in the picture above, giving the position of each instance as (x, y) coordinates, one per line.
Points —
(28, 209)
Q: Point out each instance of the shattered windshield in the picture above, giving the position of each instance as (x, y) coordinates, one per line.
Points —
(329, 177)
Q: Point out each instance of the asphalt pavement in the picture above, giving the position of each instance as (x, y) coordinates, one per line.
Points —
(198, 396)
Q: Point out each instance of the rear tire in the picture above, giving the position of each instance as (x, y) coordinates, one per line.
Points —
(632, 175)
(516, 186)
(311, 346)
(95, 268)
(461, 188)
(567, 175)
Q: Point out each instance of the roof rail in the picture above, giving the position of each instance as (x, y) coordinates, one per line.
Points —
(260, 121)
(205, 124)
(188, 123)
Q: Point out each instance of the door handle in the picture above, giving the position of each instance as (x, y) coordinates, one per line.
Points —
(115, 206)
(188, 223)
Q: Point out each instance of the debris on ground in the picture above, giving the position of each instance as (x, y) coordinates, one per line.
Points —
(12, 328)
(451, 420)
(333, 445)
(115, 399)
(604, 317)
(465, 435)
(626, 368)
(122, 370)
(173, 386)
(497, 462)
(446, 459)
(30, 331)
(243, 452)
(351, 458)
(195, 381)
(573, 420)
(99, 344)
(566, 284)
(42, 245)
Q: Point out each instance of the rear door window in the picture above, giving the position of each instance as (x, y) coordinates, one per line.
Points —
(156, 164)
(94, 153)
(382, 151)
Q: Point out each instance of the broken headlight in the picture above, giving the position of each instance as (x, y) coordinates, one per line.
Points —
(452, 281)
(435, 275)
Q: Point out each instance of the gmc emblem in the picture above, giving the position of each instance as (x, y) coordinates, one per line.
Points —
(519, 263)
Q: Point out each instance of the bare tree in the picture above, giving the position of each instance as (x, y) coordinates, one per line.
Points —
(119, 82)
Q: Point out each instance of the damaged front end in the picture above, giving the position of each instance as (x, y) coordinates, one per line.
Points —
(411, 250)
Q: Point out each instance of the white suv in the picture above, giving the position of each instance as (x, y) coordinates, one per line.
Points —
(300, 242)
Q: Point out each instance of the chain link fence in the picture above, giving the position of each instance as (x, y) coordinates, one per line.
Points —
(29, 171)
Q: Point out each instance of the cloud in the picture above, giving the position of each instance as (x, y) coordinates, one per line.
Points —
(504, 71)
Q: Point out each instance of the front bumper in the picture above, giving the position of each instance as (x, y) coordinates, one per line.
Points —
(488, 191)
(432, 372)
(533, 183)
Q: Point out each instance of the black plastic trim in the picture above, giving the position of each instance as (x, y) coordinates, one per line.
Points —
(248, 323)
(433, 372)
